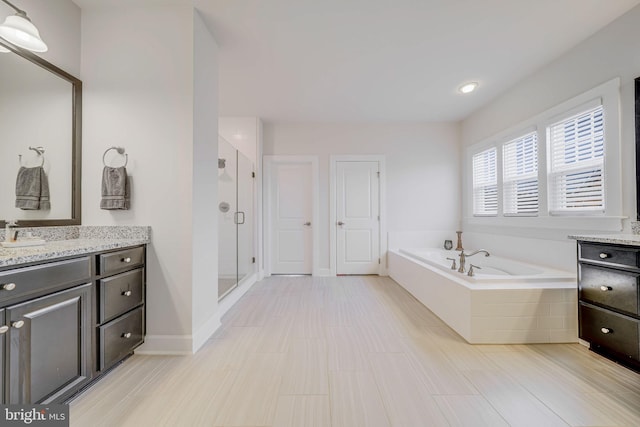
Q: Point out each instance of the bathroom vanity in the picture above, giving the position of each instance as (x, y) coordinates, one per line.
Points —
(609, 301)
(69, 311)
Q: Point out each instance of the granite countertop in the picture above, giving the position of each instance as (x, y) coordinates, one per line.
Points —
(618, 239)
(86, 240)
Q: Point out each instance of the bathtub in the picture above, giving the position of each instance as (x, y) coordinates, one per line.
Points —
(492, 268)
(506, 302)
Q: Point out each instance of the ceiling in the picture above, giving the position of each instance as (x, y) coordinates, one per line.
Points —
(386, 60)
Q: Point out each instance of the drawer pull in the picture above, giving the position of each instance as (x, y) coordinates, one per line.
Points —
(126, 335)
(127, 260)
(19, 324)
(8, 286)
(604, 255)
(605, 330)
(126, 293)
(604, 288)
(4, 329)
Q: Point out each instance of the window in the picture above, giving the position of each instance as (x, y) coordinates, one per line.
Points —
(576, 163)
(520, 175)
(485, 188)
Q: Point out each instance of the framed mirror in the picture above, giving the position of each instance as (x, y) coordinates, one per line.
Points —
(40, 126)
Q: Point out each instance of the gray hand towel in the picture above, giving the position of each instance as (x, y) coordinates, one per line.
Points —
(32, 189)
(115, 188)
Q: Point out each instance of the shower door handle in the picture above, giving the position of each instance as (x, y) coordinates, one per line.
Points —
(237, 216)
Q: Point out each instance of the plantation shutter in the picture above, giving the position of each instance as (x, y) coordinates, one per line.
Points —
(576, 150)
(520, 175)
(485, 189)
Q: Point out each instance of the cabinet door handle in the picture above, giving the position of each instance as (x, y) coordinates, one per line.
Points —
(604, 255)
(126, 335)
(604, 288)
(605, 330)
(126, 293)
(127, 260)
(8, 286)
(18, 324)
(4, 329)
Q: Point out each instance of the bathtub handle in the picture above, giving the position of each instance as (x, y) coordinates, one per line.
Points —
(471, 272)
(453, 263)
(604, 255)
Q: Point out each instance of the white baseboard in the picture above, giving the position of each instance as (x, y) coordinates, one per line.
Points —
(205, 331)
(325, 272)
(234, 296)
(166, 345)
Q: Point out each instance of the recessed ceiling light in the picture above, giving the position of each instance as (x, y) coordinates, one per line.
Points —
(468, 87)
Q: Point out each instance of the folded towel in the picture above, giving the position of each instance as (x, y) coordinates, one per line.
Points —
(32, 189)
(115, 188)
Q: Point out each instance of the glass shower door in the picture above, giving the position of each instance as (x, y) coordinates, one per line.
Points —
(227, 207)
(235, 218)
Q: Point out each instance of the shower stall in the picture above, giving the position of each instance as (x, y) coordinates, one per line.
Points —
(236, 259)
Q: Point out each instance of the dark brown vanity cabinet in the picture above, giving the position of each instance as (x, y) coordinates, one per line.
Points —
(63, 323)
(609, 301)
(49, 351)
(120, 322)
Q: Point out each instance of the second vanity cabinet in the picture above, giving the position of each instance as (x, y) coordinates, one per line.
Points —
(609, 307)
(64, 323)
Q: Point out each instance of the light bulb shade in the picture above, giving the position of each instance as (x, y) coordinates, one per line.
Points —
(19, 31)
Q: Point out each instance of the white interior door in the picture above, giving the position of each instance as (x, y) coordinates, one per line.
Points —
(357, 215)
(291, 213)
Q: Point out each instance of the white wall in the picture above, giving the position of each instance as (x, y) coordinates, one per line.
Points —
(205, 185)
(610, 53)
(139, 93)
(422, 162)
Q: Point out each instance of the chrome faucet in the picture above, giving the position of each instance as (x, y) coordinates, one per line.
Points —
(463, 258)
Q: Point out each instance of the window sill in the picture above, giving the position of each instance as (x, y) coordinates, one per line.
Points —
(565, 223)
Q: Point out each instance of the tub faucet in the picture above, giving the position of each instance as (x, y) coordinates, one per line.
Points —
(463, 258)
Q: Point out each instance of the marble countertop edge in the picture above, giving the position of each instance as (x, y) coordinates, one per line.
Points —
(56, 249)
(619, 239)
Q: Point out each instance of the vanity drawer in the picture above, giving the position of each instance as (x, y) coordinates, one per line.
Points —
(611, 255)
(112, 262)
(614, 288)
(34, 280)
(120, 293)
(119, 337)
(610, 330)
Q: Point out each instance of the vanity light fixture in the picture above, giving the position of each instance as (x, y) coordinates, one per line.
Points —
(18, 30)
(468, 87)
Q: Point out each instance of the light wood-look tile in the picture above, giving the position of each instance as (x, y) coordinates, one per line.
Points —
(406, 398)
(355, 401)
(516, 405)
(469, 411)
(309, 411)
(357, 351)
(306, 368)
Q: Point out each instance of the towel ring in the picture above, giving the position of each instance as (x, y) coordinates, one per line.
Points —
(38, 150)
(120, 151)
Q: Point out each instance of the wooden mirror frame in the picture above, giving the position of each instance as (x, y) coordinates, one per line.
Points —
(76, 141)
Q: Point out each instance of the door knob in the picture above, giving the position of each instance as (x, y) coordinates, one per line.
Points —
(4, 329)
(340, 223)
(126, 293)
(8, 286)
(126, 335)
(308, 224)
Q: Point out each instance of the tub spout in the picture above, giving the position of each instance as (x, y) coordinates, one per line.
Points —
(463, 258)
